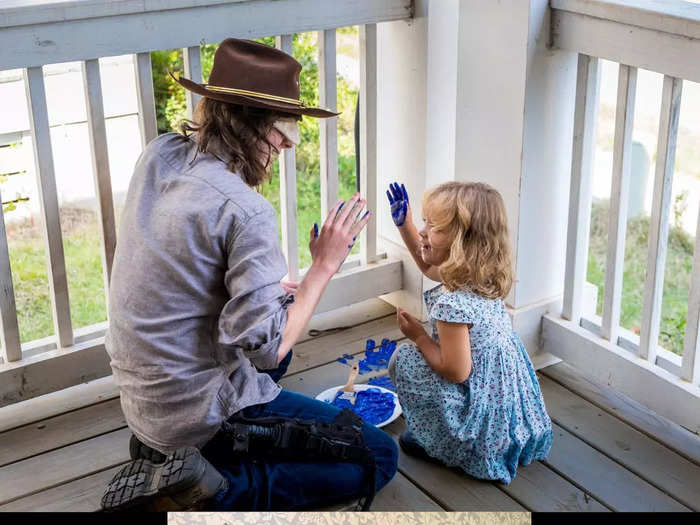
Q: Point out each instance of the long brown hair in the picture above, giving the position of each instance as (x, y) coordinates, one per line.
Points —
(474, 217)
(240, 131)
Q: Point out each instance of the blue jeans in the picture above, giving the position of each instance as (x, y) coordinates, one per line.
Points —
(269, 484)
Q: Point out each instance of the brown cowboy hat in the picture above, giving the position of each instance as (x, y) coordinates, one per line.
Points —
(252, 74)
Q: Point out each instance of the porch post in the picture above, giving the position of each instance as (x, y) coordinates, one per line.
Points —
(498, 108)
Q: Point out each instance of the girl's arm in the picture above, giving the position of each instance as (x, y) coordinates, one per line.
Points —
(452, 359)
(403, 219)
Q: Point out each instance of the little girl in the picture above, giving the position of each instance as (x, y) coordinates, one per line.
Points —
(469, 392)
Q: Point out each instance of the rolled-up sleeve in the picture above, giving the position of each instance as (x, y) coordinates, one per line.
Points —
(254, 317)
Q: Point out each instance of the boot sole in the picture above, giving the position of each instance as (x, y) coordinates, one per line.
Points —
(141, 480)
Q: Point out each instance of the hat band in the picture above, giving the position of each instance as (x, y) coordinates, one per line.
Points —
(255, 94)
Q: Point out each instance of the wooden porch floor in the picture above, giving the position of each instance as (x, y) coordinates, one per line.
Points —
(609, 454)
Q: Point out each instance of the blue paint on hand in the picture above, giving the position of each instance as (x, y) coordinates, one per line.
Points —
(315, 230)
(398, 200)
(348, 356)
(369, 345)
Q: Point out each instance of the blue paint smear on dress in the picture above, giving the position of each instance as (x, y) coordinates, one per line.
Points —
(372, 405)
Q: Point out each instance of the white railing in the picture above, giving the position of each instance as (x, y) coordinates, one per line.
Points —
(662, 37)
(32, 36)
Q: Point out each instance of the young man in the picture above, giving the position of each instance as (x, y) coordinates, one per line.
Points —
(201, 327)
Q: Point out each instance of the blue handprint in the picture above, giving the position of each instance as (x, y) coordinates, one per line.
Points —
(398, 199)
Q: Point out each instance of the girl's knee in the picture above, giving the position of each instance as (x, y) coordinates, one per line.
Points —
(399, 358)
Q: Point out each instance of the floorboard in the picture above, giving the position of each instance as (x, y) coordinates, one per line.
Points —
(450, 488)
(63, 465)
(400, 494)
(608, 481)
(80, 495)
(59, 431)
(631, 412)
(657, 464)
(543, 490)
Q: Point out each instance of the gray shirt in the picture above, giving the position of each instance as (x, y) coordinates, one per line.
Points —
(195, 303)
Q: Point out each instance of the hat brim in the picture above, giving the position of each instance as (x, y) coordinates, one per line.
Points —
(243, 100)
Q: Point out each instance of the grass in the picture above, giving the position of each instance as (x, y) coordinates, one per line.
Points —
(85, 282)
(679, 266)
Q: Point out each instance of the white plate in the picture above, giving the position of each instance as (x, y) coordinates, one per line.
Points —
(329, 395)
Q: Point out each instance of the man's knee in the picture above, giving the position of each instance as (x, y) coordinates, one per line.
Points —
(385, 454)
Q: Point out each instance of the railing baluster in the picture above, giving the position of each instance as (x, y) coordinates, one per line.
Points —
(690, 367)
(617, 218)
(658, 230)
(100, 164)
(9, 329)
(587, 88)
(288, 191)
(46, 183)
(146, 100)
(368, 137)
(328, 98)
(192, 57)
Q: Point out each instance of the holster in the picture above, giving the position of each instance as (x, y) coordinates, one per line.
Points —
(295, 440)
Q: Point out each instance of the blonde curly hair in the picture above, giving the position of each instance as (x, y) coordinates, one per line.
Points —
(473, 216)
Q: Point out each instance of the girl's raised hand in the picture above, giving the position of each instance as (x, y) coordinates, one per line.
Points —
(398, 200)
(409, 325)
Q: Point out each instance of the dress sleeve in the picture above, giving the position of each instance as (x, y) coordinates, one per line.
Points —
(254, 317)
(452, 307)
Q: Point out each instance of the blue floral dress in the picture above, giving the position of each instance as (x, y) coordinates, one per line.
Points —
(494, 420)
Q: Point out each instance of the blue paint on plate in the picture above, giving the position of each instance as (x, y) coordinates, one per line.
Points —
(372, 405)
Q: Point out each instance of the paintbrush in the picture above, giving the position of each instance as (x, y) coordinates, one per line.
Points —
(348, 391)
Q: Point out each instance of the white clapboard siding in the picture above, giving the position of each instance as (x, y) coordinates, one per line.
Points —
(328, 98)
(100, 164)
(146, 100)
(192, 57)
(9, 330)
(690, 367)
(619, 193)
(288, 191)
(368, 137)
(658, 228)
(46, 183)
(587, 88)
